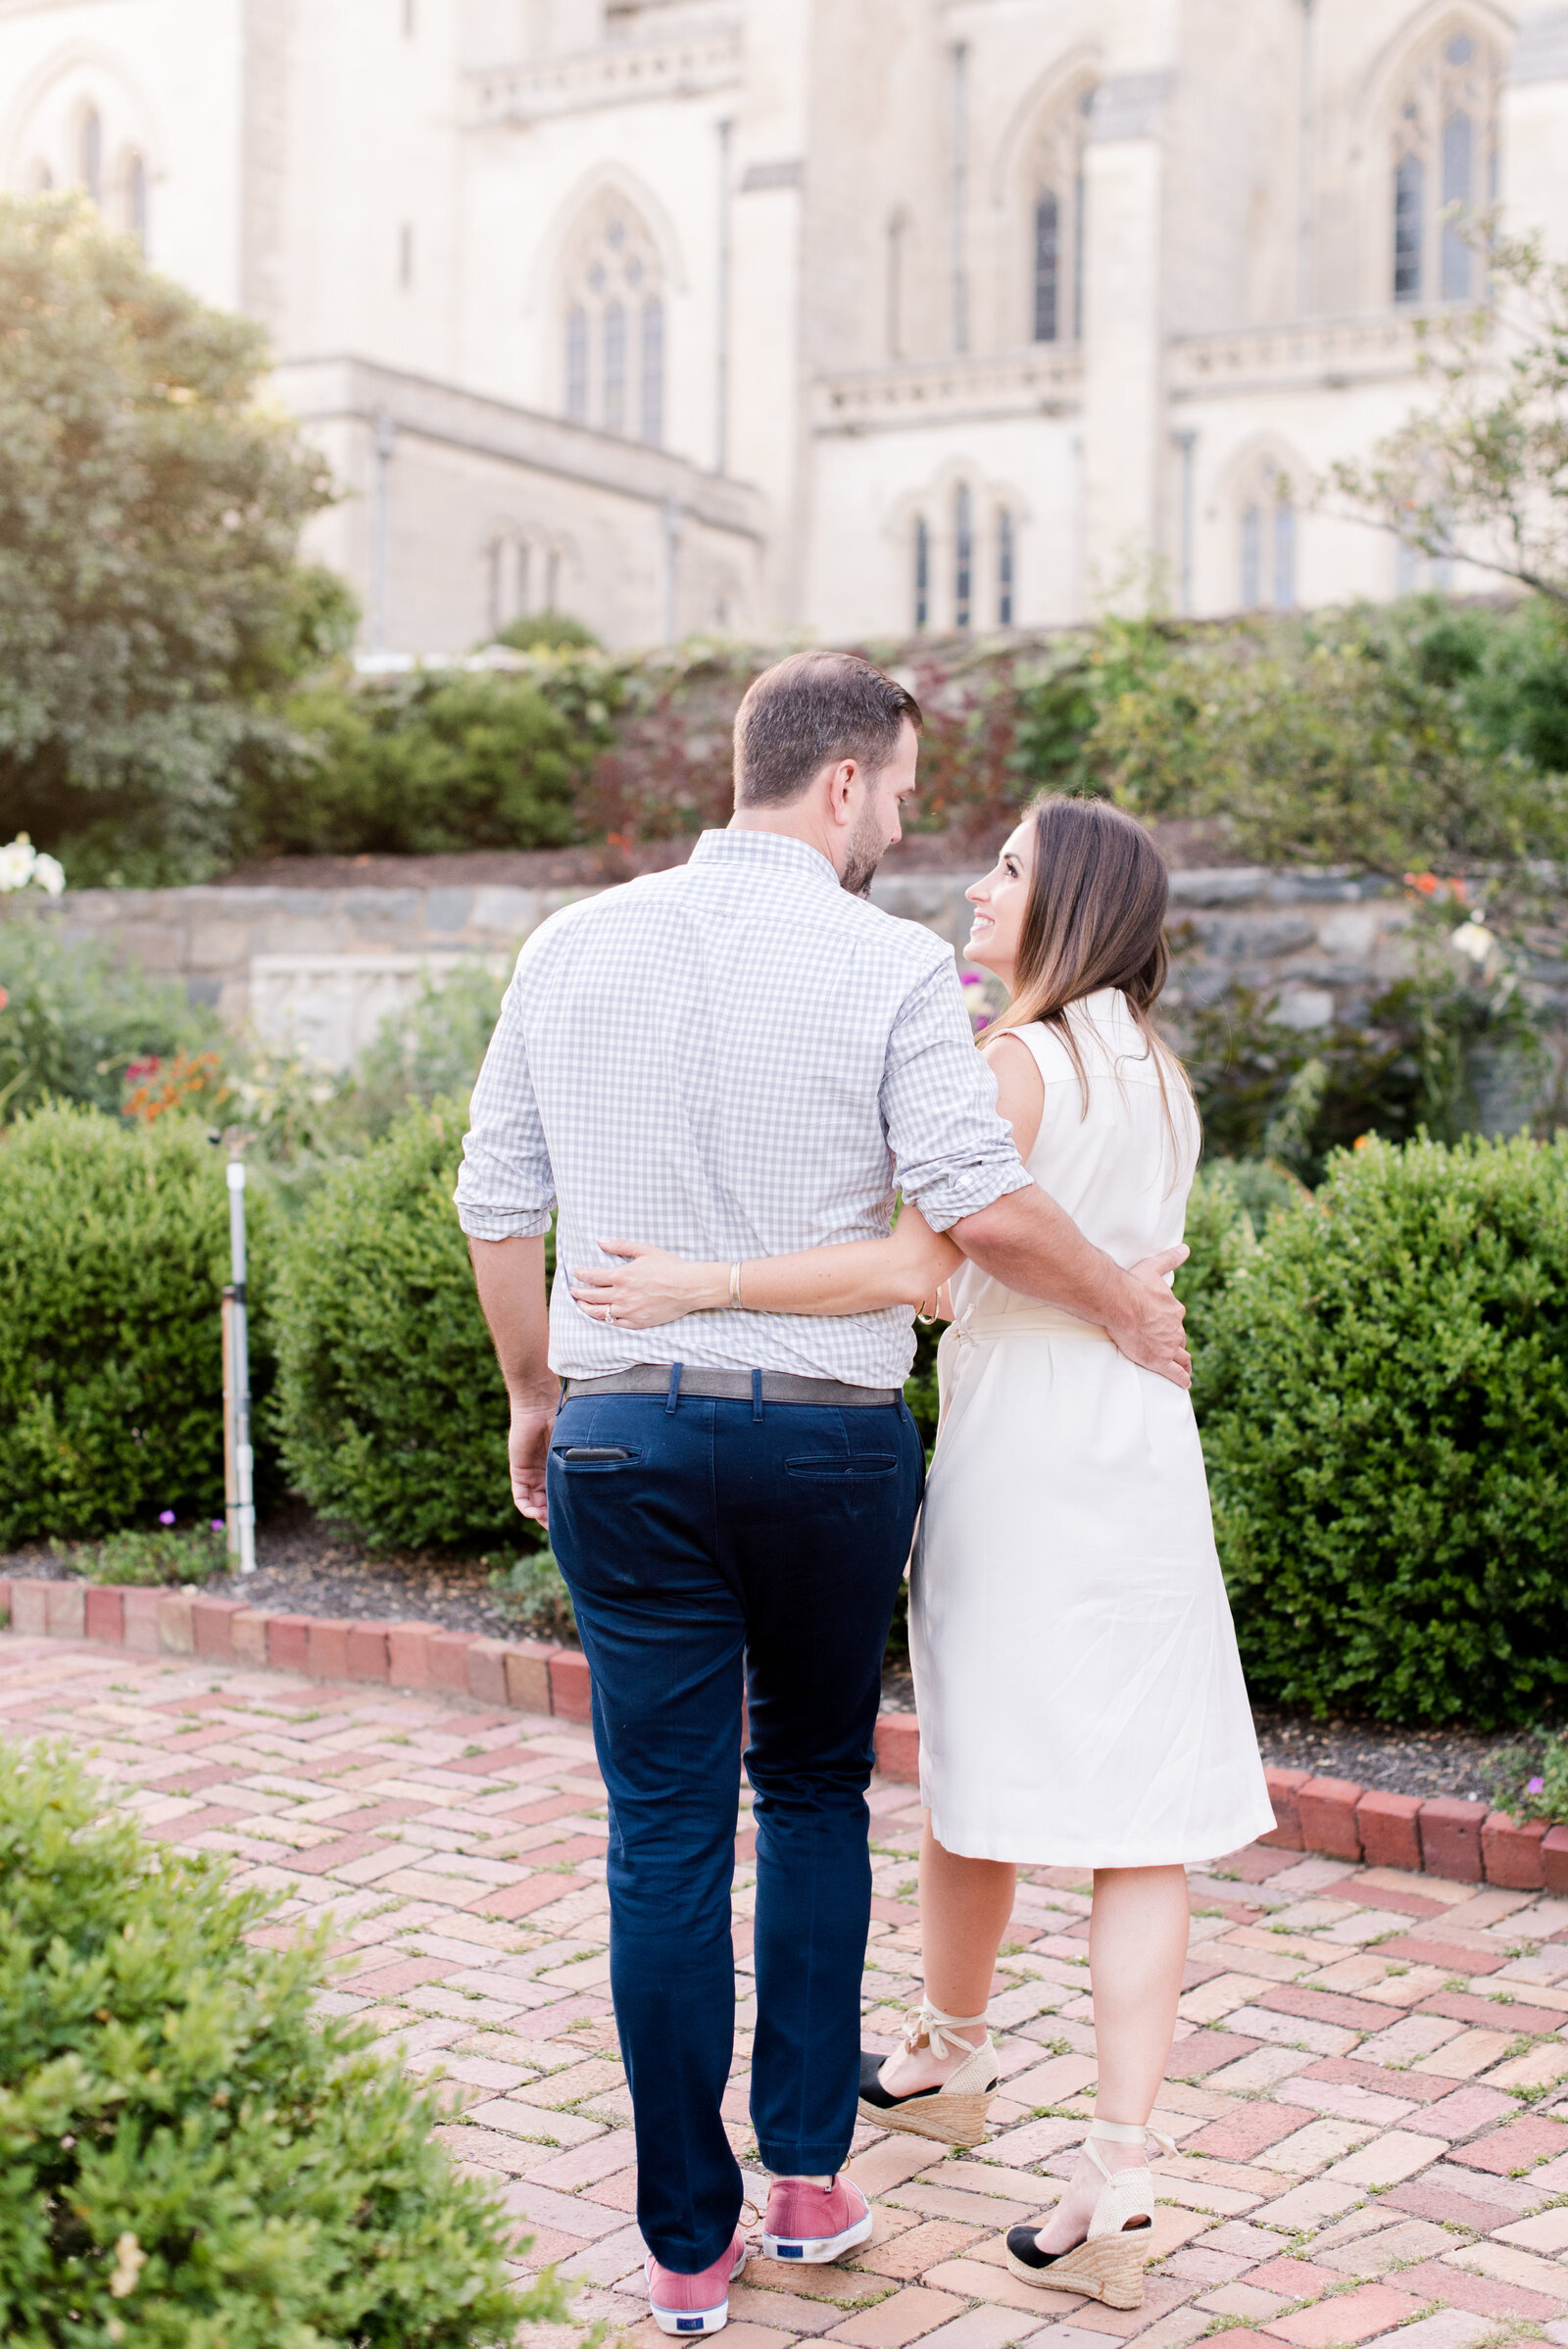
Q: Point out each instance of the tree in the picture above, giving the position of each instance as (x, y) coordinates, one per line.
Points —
(1483, 475)
(152, 606)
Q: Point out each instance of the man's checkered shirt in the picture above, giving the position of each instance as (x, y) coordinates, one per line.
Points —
(732, 1060)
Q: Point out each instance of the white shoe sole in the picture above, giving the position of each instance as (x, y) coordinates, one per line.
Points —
(693, 2321)
(812, 2251)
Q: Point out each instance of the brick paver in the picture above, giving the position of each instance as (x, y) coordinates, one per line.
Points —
(1370, 2109)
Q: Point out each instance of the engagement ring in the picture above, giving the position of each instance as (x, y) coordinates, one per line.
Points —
(609, 1313)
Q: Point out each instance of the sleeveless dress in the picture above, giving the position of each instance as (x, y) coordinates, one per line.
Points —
(1080, 1694)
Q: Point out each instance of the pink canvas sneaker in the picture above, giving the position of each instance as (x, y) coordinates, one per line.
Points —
(814, 2223)
(694, 2303)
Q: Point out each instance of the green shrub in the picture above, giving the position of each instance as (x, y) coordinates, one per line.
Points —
(114, 1247)
(429, 1050)
(532, 1588)
(189, 2153)
(1218, 1233)
(440, 759)
(71, 1025)
(391, 1408)
(1382, 1392)
(166, 1554)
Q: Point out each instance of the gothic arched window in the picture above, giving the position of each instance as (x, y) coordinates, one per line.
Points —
(1444, 169)
(92, 154)
(1267, 540)
(613, 291)
(577, 365)
(615, 418)
(1056, 224)
(962, 556)
(136, 197)
(653, 373)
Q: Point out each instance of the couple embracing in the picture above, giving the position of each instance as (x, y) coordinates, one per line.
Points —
(722, 1075)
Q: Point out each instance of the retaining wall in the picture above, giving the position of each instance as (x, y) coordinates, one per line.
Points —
(320, 965)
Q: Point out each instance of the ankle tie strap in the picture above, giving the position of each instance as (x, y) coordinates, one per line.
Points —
(931, 2027)
(1122, 2133)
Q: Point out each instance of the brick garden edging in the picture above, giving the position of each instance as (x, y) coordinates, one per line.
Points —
(1438, 1836)
(523, 1675)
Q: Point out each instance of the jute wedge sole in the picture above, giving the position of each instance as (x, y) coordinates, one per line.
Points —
(948, 2119)
(1109, 2268)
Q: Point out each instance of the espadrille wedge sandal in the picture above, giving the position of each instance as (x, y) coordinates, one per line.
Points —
(953, 2113)
(1108, 2265)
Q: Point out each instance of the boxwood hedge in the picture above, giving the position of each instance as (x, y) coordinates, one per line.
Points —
(391, 1409)
(190, 2151)
(1383, 1393)
(113, 1249)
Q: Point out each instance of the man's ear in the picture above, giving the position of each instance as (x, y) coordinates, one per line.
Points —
(841, 789)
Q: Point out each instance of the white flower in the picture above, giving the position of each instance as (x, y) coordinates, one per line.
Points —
(1474, 938)
(21, 863)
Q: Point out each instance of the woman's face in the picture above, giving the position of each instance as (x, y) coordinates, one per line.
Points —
(998, 903)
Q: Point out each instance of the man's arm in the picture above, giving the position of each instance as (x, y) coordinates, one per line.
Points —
(1029, 1244)
(509, 1275)
(955, 1159)
(506, 1190)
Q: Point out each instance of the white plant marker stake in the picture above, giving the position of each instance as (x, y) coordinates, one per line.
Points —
(239, 1499)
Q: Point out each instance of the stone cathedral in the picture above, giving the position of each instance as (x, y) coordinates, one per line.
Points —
(839, 318)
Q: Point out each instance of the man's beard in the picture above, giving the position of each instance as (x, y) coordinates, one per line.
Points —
(867, 848)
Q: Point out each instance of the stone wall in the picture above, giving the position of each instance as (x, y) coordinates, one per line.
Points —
(320, 966)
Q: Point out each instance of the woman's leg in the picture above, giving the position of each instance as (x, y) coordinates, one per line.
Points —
(964, 1908)
(1137, 1949)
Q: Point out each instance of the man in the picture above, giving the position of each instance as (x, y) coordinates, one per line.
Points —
(734, 1060)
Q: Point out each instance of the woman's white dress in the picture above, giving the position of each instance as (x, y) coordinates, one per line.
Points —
(1080, 1695)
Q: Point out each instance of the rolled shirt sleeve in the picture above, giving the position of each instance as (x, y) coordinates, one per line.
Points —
(955, 1154)
(506, 1190)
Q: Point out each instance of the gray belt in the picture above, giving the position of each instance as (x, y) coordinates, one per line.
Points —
(733, 1387)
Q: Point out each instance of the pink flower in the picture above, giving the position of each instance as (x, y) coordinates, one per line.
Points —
(216, 1525)
(165, 1516)
(1535, 1785)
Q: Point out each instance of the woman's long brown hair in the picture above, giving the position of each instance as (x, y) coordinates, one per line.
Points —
(1095, 917)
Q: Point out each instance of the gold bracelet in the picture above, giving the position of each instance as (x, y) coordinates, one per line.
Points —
(735, 1304)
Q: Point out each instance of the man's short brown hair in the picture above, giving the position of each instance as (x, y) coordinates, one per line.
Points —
(810, 711)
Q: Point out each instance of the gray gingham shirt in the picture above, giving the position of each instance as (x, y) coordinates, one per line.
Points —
(732, 1060)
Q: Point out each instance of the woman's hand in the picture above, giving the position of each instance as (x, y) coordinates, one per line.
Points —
(650, 1287)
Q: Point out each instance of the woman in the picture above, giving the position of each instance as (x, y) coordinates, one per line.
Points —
(1080, 1694)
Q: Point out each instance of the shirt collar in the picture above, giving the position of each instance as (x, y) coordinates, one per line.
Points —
(776, 848)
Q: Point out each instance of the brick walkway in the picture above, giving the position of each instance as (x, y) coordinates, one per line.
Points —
(1366, 2092)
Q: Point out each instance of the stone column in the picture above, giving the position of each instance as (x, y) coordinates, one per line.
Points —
(1125, 333)
(1534, 129)
(767, 157)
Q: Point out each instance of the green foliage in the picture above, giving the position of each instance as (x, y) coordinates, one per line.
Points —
(432, 1050)
(71, 1025)
(434, 761)
(166, 1553)
(391, 1408)
(191, 2152)
(150, 600)
(532, 1587)
(1219, 1236)
(114, 1247)
(1325, 742)
(548, 632)
(1417, 1060)
(1383, 1393)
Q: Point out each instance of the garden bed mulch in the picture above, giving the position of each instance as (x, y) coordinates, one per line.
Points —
(307, 1568)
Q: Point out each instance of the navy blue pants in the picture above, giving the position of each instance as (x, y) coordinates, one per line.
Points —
(722, 1544)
